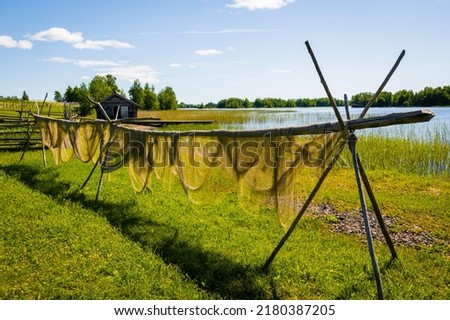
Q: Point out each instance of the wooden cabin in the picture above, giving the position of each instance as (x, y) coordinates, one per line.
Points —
(117, 107)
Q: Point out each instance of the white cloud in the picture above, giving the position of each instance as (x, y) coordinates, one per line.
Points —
(101, 44)
(130, 73)
(96, 63)
(121, 70)
(9, 42)
(174, 65)
(58, 34)
(24, 44)
(259, 4)
(85, 63)
(208, 52)
(77, 40)
(60, 59)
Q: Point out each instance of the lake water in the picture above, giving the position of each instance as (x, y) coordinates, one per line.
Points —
(438, 128)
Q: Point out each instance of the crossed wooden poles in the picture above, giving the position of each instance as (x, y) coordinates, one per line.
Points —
(360, 175)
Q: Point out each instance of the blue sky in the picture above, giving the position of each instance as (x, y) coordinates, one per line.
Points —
(207, 50)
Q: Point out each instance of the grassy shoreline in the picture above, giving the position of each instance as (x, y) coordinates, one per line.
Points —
(58, 243)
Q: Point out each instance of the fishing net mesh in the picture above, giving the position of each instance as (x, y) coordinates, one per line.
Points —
(265, 171)
(68, 138)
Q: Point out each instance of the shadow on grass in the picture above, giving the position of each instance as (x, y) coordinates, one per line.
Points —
(212, 271)
(42, 180)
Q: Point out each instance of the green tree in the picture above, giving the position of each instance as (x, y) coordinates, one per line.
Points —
(111, 82)
(384, 100)
(403, 98)
(425, 97)
(58, 97)
(446, 96)
(246, 103)
(151, 101)
(102, 86)
(442, 96)
(231, 103)
(25, 96)
(290, 103)
(257, 103)
(136, 92)
(69, 94)
(79, 94)
(322, 102)
(305, 103)
(167, 99)
(360, 99)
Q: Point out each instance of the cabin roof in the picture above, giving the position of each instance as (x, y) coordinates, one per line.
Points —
(115, 96)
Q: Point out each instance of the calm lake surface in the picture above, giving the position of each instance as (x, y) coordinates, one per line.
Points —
(436, 129)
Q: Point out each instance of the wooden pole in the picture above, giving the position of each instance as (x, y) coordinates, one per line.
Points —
(371, 195)
(27, 143)
(44, 156)
(347, 109)
(90, 174)
(101, 109)
(375, 96)
(103, 163)
(327, 90)
(376, 208)
(352, 146)
(100, 182)
(37, 107)
(302, 210)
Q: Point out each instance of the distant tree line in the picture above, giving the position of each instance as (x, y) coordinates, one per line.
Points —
(427, 97)
(235, 103)
(15, 98)
(439, 96)
(101, 87)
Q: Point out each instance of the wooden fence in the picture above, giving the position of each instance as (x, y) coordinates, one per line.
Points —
(17, 128)
(17, 131)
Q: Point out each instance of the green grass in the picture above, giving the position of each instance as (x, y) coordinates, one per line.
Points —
(11, 106)
(407, 156)
(57, 243)
(55, 248)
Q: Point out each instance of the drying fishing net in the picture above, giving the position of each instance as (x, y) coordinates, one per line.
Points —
(272, 170)
(68, 138)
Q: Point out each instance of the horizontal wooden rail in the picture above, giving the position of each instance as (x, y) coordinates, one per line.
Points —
(319, 128)
(20, 139)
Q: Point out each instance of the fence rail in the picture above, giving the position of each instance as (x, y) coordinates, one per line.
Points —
(18, 131)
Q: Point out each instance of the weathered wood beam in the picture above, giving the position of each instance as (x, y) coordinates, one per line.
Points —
(101, 108)
(325, 86)
(319, 128)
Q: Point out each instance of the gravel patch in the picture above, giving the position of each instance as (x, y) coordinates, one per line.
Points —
(351, 222)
